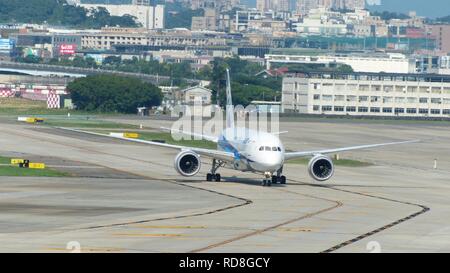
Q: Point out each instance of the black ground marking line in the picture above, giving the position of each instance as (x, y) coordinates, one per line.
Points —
(336, 205)
(244, 203)
(424, 209)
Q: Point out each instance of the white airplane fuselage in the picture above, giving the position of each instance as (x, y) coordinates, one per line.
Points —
(254, 151)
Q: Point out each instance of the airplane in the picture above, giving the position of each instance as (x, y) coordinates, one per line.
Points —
(247, 150)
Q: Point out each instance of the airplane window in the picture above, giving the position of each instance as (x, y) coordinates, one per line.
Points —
(274, 149)
(267, 148)
(279, 149)
(261, 148)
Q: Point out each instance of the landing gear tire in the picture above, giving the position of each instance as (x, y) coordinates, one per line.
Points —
(266, 183)
(274, 179)
(213, 177)
(217, 177)
(283, 180)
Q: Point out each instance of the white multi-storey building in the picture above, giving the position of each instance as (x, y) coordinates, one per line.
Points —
(389, 63)
(367, 94)
(150, 17)
(108, 37)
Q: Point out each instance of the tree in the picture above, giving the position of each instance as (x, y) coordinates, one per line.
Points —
(180, 16)
(244, 94)
(386, 15)
(444, 20)
(110, 93)
(60, 13)
(246, 86)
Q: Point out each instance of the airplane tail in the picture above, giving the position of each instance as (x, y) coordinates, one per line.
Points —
(229, 106)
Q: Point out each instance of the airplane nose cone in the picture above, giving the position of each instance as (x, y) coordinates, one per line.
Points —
(270, 163)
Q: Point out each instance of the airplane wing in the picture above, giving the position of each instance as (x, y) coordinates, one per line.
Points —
(202, 136)
(292, 155)
(216, 154)
(279, 133)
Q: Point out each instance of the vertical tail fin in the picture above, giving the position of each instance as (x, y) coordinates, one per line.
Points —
(229, 106)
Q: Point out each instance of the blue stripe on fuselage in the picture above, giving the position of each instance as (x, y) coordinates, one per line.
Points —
(226, 146)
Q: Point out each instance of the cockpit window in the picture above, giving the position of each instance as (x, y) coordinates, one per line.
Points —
(269, 149)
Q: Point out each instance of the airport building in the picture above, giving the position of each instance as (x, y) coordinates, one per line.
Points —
(367, 94)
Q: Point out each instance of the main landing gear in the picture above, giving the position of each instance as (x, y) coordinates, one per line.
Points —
(213, 176)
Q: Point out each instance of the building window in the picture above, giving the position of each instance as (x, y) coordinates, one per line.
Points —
(363, 98)
(339, 109)
(446, 111)
(423, 111)
(363, 109)
(435, 111)
(388, 99)
(351, 98)
(436, 101)
(400, 100)
(339, 98)
(327, 97)
(399, 110)
(316, 97)
(388, 88)
(327, 108)
(375, 110)
(374, 99)
(423, 100)
(387, 110)
(412, 100)
(316, 108)
(376, 87)
(411, 111)
(351, 109)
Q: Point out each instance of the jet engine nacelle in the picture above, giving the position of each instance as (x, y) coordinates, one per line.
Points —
(187, 163)
(321, 168)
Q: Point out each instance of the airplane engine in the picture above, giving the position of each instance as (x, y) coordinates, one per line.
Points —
(321, 168)
(187, 163)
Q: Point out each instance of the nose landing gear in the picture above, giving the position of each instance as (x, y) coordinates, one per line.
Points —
(267, 181)
(274, 179)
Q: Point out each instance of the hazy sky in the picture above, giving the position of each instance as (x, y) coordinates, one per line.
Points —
(430, 8)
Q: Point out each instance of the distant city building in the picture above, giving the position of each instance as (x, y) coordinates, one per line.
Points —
(304, 6)
(206, 22)
(7, 47)
(150, 17)
(141, 2)
(429, 63)
(219, 5)
(196, 100)
(274, 5)
(108, 38)
(256, 20)
(45, 44)
(366, 94)
(442, 35)
(321, 21)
